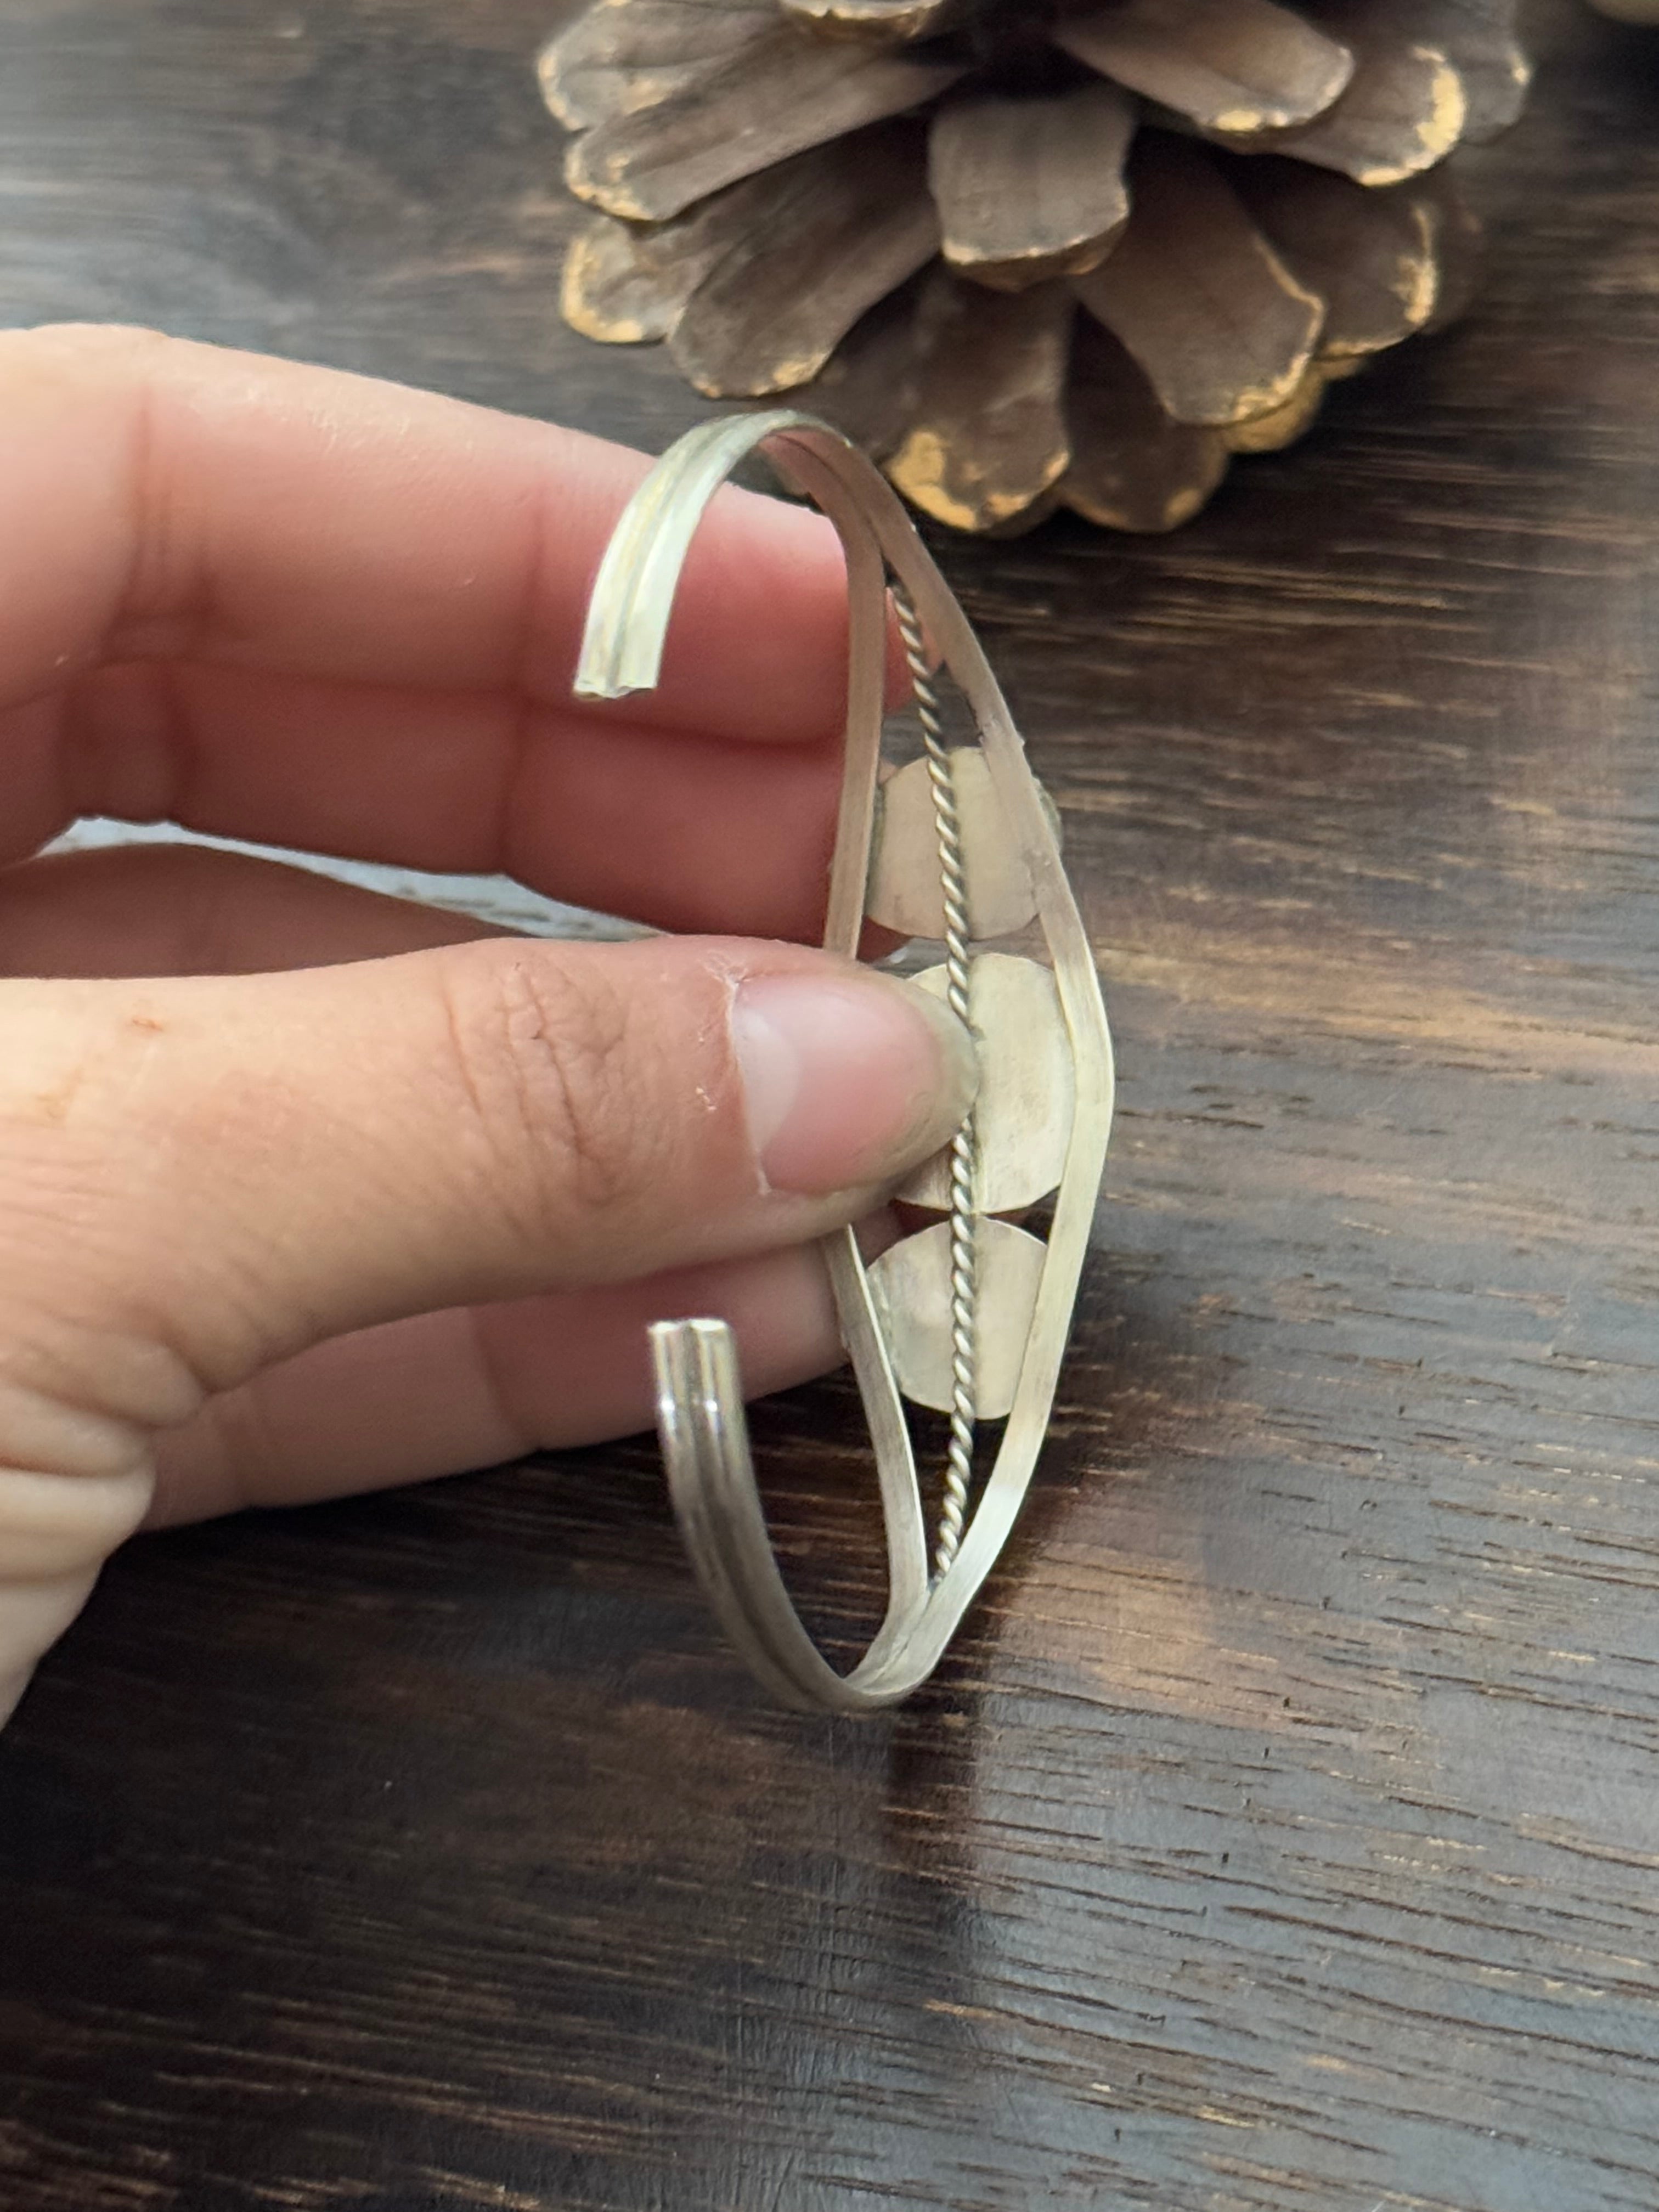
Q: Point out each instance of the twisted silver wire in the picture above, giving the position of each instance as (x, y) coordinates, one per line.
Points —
(959, 1465)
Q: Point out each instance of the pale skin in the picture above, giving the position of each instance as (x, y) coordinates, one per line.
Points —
(303, 1190)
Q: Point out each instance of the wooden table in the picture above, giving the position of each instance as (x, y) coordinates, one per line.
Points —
(1282, 1836)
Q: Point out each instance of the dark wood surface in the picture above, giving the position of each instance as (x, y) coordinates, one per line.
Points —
(1283, 1835)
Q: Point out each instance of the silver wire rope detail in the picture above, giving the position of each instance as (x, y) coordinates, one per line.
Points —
(959, 1466)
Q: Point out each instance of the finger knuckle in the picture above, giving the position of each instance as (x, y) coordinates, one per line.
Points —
(545, 1054)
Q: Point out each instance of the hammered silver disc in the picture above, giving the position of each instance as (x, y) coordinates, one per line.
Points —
(905, 893)
(910, 1285)
(1027, 1091)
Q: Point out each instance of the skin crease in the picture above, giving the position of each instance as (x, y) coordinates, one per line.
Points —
(302, 1189)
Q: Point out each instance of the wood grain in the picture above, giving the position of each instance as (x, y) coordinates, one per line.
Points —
(1280, 1837)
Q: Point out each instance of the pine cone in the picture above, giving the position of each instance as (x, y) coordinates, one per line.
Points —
(1029, 253)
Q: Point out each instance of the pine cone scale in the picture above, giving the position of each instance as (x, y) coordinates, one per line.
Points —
(876, 19)
(1402, 113)
(895, 207)
(857, 223)
(1031, 189)
(780, 94)
(609, 295)
(1132, 467)
(989, 439)
(1233, 66)
(614, 61)
(1222, 329)
(1369, 255)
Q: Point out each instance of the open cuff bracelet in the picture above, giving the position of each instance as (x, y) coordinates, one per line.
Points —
(970, 1314)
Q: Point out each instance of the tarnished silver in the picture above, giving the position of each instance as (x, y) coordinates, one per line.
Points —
(953, 900)
(905, 892)
(914, 1285)
(1023, 1115)
(902, 1328)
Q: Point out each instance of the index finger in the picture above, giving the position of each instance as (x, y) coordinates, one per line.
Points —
(179, 501)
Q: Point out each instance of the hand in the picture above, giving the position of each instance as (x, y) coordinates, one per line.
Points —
(302, 1189)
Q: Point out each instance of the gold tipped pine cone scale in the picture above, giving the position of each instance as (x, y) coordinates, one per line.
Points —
(1030, 253)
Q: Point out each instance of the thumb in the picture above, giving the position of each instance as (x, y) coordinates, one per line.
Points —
(200, 1176)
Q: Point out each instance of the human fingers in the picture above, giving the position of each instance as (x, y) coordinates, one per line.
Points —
(183, 910)
(185, 503)
(259, 1162)
(199, 1178)
(472, 1386)
(682, 831)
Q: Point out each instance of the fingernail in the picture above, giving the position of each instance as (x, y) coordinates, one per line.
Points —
(849, 1081)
